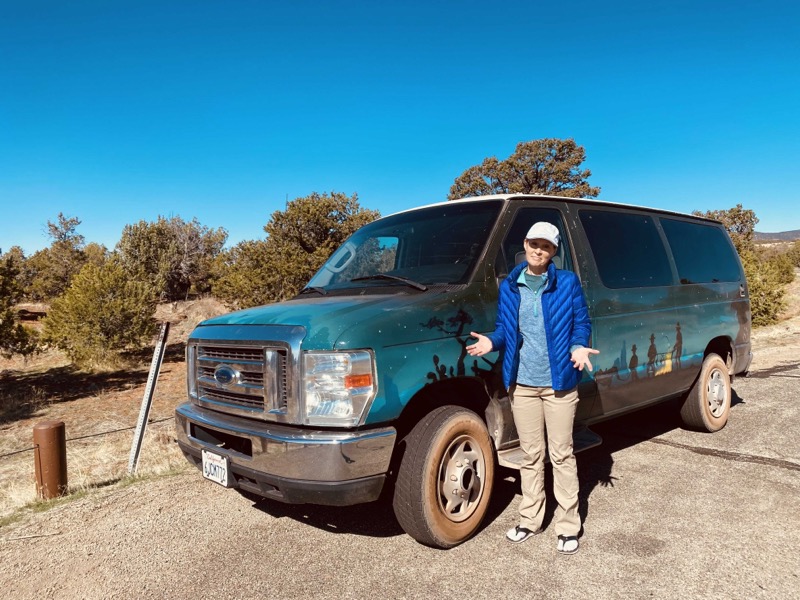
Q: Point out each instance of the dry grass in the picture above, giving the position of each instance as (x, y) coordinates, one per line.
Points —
(101, 409)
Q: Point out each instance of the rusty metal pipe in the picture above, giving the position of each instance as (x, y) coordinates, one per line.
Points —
(50, 458)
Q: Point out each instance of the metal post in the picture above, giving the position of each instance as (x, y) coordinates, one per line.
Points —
(147, 401)
(50, 458)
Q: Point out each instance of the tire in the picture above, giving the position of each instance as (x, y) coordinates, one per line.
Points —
(708, 404)
(445, 478)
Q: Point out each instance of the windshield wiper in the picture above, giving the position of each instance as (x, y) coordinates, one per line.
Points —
(312, 288)
(384, 276)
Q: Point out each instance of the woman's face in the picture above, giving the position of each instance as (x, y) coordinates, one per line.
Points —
(538, 253)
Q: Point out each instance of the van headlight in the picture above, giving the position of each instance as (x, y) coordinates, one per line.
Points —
(338, 386)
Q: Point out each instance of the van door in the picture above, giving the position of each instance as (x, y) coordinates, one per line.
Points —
(629, 286)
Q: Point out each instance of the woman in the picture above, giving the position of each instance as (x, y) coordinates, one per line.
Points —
(543, 325)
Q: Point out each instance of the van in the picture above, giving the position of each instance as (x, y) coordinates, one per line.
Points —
(362, 384)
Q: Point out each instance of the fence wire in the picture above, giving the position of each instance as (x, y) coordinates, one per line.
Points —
(91, 435)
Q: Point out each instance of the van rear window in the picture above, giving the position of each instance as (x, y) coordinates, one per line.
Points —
(627, 249)
(702, 252)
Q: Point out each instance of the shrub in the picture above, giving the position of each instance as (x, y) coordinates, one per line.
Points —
(794, 253)
(241, 275)
(766, 289)
(172, 255)
(784, 268)
(103, 313)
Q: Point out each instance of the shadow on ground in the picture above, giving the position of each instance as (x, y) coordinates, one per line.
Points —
(780, 370)
(23, 394)
(595, 468)
(172, 354)
(375, 519)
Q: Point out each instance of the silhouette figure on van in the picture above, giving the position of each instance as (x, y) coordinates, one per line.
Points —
(677, 349)
(439, 371)
(633, 364)
(455, 326)
(652, 353)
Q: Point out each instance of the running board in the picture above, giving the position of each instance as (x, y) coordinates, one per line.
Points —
(582, 439)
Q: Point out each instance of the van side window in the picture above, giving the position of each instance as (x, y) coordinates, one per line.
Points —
(702, 252)
(513, 242)
(627, 249)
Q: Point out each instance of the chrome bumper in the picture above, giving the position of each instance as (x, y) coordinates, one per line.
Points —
(287, 463)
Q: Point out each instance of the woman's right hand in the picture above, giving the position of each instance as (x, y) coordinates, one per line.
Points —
(481, 347)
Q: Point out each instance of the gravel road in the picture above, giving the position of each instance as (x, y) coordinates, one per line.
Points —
(668, 514)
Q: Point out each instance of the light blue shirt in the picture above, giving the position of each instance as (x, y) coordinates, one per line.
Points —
(534, 363)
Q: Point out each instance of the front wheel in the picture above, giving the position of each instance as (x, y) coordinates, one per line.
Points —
(708, 403)
(444, 481)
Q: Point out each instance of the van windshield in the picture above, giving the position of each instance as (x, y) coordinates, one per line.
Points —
(435, 245)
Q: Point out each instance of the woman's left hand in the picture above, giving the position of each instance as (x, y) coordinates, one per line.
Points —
(580, 358)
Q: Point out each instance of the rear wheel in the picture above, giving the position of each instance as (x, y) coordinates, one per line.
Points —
(444, 482)
(708, 403)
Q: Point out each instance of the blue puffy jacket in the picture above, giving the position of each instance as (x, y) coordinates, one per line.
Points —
(566, 323)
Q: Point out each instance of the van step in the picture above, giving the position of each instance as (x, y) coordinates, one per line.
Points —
(583, 438)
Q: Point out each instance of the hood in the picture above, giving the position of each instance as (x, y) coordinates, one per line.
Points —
(367, 321)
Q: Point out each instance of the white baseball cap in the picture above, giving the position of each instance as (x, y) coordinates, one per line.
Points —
(544, 231)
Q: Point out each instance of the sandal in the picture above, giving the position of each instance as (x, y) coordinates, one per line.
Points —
(568, 544)
(518, 534)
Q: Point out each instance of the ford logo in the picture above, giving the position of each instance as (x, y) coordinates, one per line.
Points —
(225, 375)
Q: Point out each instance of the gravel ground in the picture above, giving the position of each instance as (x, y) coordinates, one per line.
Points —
(668, 514)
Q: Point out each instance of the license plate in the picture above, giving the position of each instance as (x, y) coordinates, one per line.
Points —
(216, 468)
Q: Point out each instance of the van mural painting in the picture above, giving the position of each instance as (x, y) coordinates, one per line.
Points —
(658, 362)
(456, 326)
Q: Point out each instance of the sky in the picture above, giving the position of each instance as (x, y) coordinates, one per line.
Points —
(120, 111)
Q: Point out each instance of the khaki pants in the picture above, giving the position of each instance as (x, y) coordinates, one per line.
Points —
(536, 410)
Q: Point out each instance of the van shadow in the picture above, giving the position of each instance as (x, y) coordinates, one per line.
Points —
(374, 519)
(779, 370)
(596, 465)
(595, 468)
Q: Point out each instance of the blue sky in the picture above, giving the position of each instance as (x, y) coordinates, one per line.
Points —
(118, 111)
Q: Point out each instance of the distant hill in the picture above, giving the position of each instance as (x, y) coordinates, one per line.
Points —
(783, 236)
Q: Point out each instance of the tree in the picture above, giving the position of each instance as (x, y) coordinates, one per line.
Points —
(14, 338)
(545, 166)
(19, 264)
(299, 240)
(64, 231)
(51, 270)
(96, 254)
(103, 313)
(240, 276)
(172, 255)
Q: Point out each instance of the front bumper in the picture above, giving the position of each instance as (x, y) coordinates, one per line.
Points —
(287, 463)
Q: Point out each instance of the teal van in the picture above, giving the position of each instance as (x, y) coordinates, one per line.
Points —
(362, 384)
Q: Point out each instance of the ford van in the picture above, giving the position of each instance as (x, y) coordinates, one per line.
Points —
(362, 385)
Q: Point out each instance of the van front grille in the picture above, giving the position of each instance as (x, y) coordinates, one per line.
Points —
(242, 379)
